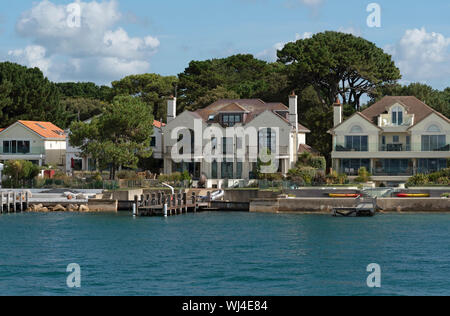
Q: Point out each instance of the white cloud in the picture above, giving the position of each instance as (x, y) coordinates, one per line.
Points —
(311, 3)
(33, 56)
(421, 55)
(98, 48)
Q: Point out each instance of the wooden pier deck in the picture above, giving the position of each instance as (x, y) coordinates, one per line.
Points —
(161, 204)
(13, 202)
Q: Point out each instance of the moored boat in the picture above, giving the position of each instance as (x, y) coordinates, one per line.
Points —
(413, 195)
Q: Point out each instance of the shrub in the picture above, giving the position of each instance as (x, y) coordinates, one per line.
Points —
(320, 178)
(127, 175)
(305, 174)
(363, 175)
(441, 177)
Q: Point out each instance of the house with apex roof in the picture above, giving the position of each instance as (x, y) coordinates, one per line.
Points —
(394, 139)
(227, 136)
(42, 143)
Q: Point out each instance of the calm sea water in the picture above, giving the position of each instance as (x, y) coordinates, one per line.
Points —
(224, 254)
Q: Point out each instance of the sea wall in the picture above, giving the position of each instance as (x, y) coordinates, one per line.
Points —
(103, 205)
(326, 205)
(414, 204)
(247, 195)
(298, 205)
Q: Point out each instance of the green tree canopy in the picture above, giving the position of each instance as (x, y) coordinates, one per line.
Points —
(87, 90)
(240, 75)
(337, 64)
(25, 94)
(153, 89)
(119, 136)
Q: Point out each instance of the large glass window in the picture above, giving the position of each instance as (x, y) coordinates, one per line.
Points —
(227, 170)
(394, 167)
(16, 147)
(239, 170)
(267, 139)
(434, 143)
(352, 166)
(214, 170)
(431, 165)
(357, 143)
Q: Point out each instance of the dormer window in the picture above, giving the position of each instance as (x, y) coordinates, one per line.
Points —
(397, 115)
(231, 119)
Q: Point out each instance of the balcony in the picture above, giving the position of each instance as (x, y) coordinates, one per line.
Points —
(344, 148)
(395, 147)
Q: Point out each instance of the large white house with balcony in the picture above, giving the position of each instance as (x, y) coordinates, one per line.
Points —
(394, 139)
(271, 126)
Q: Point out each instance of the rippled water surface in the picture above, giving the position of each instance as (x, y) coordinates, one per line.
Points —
(224, 254)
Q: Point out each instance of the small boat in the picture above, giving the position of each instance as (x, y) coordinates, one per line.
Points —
(413, 195)
(336, 195)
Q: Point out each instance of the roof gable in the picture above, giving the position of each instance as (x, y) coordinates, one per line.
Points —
(412, 105)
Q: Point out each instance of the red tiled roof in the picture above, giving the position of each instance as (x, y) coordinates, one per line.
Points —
(306, 148)
(44, 129)
(158, 124)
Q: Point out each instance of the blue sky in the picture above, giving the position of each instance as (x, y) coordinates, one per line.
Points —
(118, 38)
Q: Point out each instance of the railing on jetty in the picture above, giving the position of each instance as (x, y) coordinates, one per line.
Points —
(162, 204)
(13, 202)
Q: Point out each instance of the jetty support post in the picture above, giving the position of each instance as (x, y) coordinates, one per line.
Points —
(185, 202)
(27, 200)
(15, 202)
(165, 210)
(8, 202)
(1, 209)
(135, 206)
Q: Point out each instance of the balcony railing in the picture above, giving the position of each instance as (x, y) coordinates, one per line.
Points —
(32, 152)
(395, 147)
(391, 148)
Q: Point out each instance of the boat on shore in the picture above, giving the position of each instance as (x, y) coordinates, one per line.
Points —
(339, 195)
(413, 195)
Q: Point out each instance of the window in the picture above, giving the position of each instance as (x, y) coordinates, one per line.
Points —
(352, 166)
(153, 142)
(356, 130)
(434, 129)
(16, 147)
(214, 170)
(433, 142)
(227, 146)
(396, 139)
(397, 116)
(227, 170)
(357, 143)
(231, 119)
(383, 140)
(408, 143)
(239, 170)
(267, 139)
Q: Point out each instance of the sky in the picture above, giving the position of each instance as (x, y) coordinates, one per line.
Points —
(103, 41)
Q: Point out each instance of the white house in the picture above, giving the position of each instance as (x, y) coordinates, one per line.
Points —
(227, 137)
(42, 143)
(394, 139)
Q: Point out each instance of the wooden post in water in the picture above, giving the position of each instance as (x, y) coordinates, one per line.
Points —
(20, 202)
(136, 206)
(15, 202)
(2, 203)
(8, 202)
(27, 197)
(185, 202)
(194, 197)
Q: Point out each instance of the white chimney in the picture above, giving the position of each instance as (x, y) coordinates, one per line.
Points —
(171, 109)
(337, 107)
(293, 111)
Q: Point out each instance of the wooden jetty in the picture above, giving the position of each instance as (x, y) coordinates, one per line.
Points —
(162, 204)
(365, 207)
(13, 202)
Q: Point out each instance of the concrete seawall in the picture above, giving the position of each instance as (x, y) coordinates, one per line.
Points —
(326, 205)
